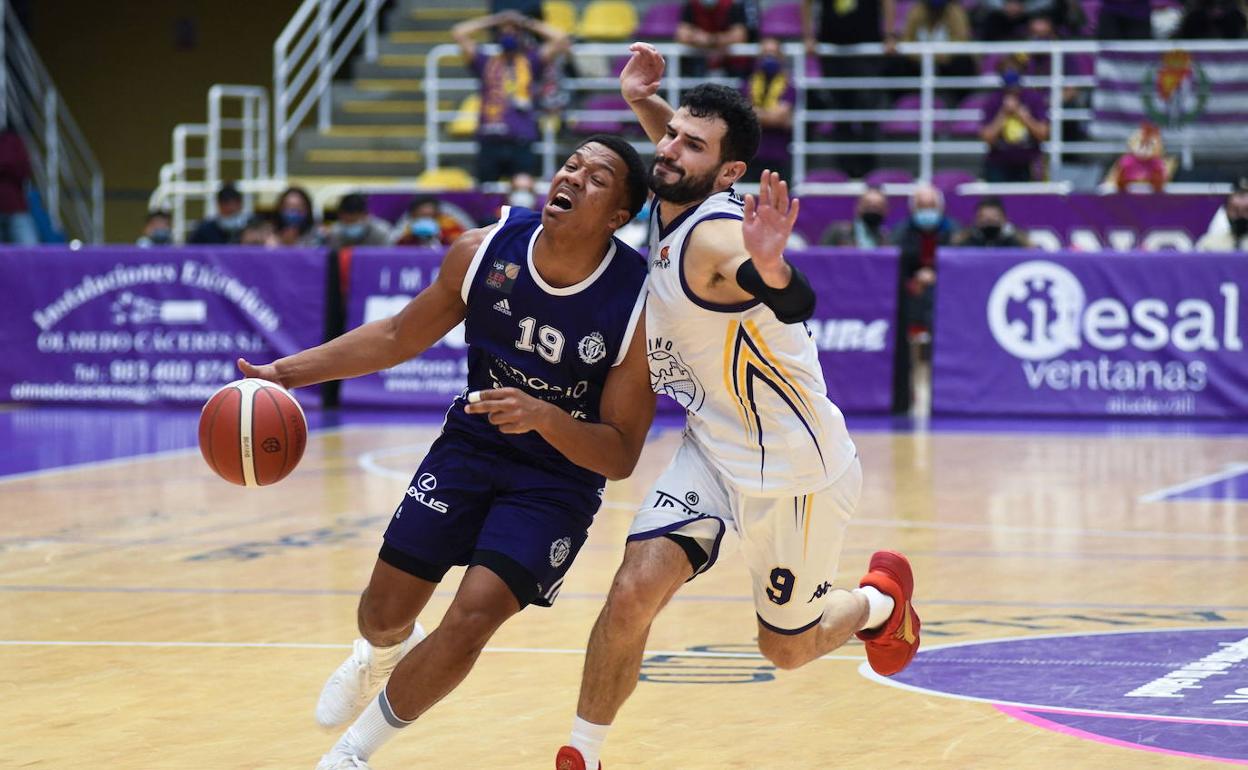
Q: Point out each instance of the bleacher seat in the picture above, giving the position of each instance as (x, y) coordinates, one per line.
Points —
(947, 181)
(659, 22)
(783, 21)
(560, 14)
(603, 126)
(446, 178)
(827, 176)
(465, 121)
(970, 126)
(608, 20)
(888, 176)
(908, 126)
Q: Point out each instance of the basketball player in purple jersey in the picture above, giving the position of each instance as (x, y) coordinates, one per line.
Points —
(558, 398)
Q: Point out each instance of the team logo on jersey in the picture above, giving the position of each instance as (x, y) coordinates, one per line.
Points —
(592, 348)
(502, 275)
(559, 551)
(669, 376)
(662, 260)
(503, 306)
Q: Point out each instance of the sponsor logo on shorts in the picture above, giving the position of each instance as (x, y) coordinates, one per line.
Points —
(426, 483)
(692, 498)
(592, 348)
(559, 551)
(820, 592)
(664, 500)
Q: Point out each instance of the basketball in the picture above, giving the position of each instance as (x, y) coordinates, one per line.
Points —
(252, 432)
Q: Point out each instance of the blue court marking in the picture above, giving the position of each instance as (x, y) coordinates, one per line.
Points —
(1229, 484)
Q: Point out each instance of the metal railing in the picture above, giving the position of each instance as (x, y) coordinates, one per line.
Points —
(313, 46)
(62, 165)
(925, 146)
(233, 144)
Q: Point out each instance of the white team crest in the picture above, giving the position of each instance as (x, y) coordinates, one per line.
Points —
(559, 551)
(592, 348)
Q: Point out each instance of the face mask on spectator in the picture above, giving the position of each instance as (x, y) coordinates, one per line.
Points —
(1010, 79)
(425, 227)
(926, 219)
(644, 214)
(769, 66)
(872, 219)
(291, 218)
(233, 222)
(710, 3)
(1239, 226)
(354, 231)
(524, 199)
(508, 43)
(161, 236)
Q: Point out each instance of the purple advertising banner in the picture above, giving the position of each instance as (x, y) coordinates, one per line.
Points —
(124, 325)
(1090, 334)
(852, 327)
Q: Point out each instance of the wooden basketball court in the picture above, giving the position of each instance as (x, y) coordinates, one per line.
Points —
(153, 616)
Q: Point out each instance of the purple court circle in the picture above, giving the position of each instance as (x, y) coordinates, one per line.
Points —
(1181, 691)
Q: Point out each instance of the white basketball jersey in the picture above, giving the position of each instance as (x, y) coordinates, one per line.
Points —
(752, 386)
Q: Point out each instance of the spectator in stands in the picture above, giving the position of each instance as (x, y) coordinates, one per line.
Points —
(938, 21)
(511, 82)
(1010, 19)
(918, 238)
(866, 231)
(425, 224)
(1236, 238)
(770, 89)
(710, 26)
(259, 231)
(296, 224)
(157, 230)
(16, 223)
(226, 226)
(1213, 20)
(355, 226)
(1125, 20)
(530, 8)
(1015, 121)
(849, 23)
(521, 191)
(992, 230)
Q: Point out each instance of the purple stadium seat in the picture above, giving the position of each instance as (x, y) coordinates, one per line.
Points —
(783, 21)
(903, 10)
(969, 127)
(827, 176)
(908, 126)
(660, 22)
(603, 102)
(947, 181)
(888, 176)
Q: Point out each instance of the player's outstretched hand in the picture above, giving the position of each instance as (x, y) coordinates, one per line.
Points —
(510, 409)
(640, 78)
(263, 372)
(769, 221)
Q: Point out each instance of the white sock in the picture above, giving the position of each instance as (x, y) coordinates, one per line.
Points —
(880, 606)
(385, 658)
(587, 738)
(376, 725)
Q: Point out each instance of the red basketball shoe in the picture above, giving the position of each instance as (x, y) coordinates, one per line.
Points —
(569, 758)
(891, 646)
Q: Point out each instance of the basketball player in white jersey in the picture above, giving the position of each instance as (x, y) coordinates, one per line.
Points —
(766, 462)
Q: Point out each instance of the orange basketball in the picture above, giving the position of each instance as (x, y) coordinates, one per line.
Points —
(252, 432)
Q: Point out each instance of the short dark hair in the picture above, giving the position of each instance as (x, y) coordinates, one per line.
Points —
(421, 200)
(353, 203)
(714, 100)
(229, 194)
(990, 202)
(638, 186)
(157, 214)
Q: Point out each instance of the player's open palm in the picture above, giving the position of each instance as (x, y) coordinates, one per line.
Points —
(769, 221)
(641, 76)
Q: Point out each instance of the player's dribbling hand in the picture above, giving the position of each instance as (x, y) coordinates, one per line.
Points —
(509, 409)
(769, 221)
(263, 372)
(640, 78)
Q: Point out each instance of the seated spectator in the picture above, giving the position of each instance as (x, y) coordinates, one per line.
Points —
(510, 85)
(770, 89)
(226, 226)
(157, 230)
(296, 225)
(1010, 19)
(1145, 162)
(522, 191)
(938, 21)
(991, 229)
(1236, 238)
(259, 231)
(1015, 121)
(355, 226)
(866, 231)
(16, 223)
(918, 238)
(1125, 20)
(1212, 20)
(425, 224)
(711, 26)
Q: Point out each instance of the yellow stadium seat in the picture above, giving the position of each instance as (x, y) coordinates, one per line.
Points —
(465, 122)
(608, 20)
(560, 14)
(448, 178)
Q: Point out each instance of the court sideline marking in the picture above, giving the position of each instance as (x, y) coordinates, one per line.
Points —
(1228, 472)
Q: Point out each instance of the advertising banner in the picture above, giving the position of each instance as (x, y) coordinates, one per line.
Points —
(1090, 334)
(124, 325)
(853, 328)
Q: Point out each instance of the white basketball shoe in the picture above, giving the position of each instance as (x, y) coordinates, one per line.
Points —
(340, 760)
(356, 682)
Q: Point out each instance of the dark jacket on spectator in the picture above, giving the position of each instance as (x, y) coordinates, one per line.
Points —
(1006, 238)
(14, 171)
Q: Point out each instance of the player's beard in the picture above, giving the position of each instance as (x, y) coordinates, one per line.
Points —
(686, 189)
